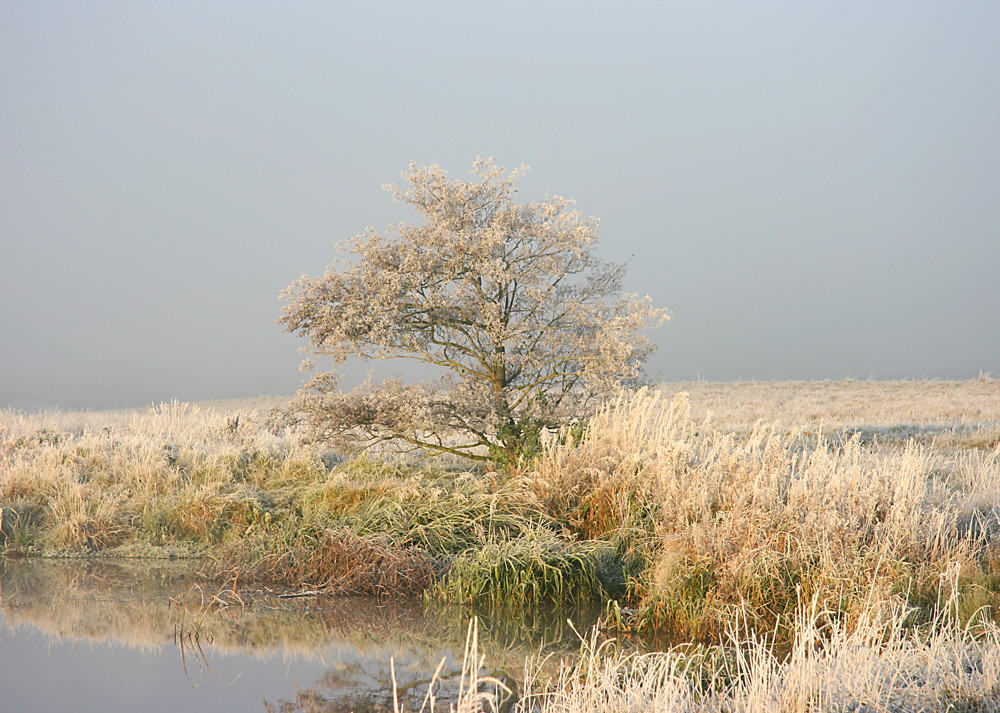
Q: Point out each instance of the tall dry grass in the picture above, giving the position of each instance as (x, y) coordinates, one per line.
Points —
(175, 474)
(672, 518)
(180, 479)
(721, 522)
(858, 498)
(879, 664)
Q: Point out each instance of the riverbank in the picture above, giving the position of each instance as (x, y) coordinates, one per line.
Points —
(238, 648)
(672, 521)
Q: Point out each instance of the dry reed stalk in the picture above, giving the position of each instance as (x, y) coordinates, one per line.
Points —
(476, 693)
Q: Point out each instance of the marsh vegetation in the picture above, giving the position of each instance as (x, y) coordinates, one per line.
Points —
(800, 538)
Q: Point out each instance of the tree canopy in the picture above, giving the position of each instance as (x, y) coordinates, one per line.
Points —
(509, 300)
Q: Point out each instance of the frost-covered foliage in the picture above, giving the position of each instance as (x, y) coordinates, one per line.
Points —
(880, 665)
(508, 299)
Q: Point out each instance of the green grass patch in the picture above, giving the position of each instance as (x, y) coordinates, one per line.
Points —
(535, 570)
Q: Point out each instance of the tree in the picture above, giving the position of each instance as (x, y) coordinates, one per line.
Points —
(509, 300)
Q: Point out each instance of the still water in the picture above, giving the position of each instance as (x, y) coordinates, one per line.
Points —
(106, 636)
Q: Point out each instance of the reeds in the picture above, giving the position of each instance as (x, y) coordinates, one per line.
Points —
(674, 521)
(477, 693)
(724, 521)
(880, 663)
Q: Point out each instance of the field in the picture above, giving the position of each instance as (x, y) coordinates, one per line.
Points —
(790, 545)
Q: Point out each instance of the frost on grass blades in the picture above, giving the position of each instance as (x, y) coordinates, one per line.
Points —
(836, 508)
(880, 663)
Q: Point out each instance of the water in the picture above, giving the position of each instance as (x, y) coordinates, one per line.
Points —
(123, 636)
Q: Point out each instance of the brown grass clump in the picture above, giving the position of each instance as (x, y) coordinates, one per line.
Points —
(603, 485)
(341, 562)
(83, 519)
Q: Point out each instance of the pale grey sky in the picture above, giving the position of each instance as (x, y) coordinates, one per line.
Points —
(813, 189)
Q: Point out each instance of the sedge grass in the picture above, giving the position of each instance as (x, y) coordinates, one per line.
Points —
(681, 518)
(531, 571)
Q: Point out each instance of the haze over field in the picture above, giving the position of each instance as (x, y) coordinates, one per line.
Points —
(814, 192)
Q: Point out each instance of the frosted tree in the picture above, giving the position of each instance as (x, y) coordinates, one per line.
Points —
(527, 325)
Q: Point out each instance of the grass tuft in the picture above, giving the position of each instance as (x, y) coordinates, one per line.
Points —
(531, 571)
(342, 562)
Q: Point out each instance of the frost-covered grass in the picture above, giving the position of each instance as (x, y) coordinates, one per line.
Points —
(719, 520)
(965, 414)
(188, 480)
(174, 477)
(674, 520)
(880, 663)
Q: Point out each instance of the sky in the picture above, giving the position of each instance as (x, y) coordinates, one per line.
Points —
(812, 189)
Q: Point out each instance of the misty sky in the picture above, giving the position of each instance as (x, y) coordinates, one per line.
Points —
(812, 189)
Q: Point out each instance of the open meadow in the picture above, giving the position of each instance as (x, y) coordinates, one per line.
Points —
(774, 546)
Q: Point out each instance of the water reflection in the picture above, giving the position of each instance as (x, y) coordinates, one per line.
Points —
(124, 635)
